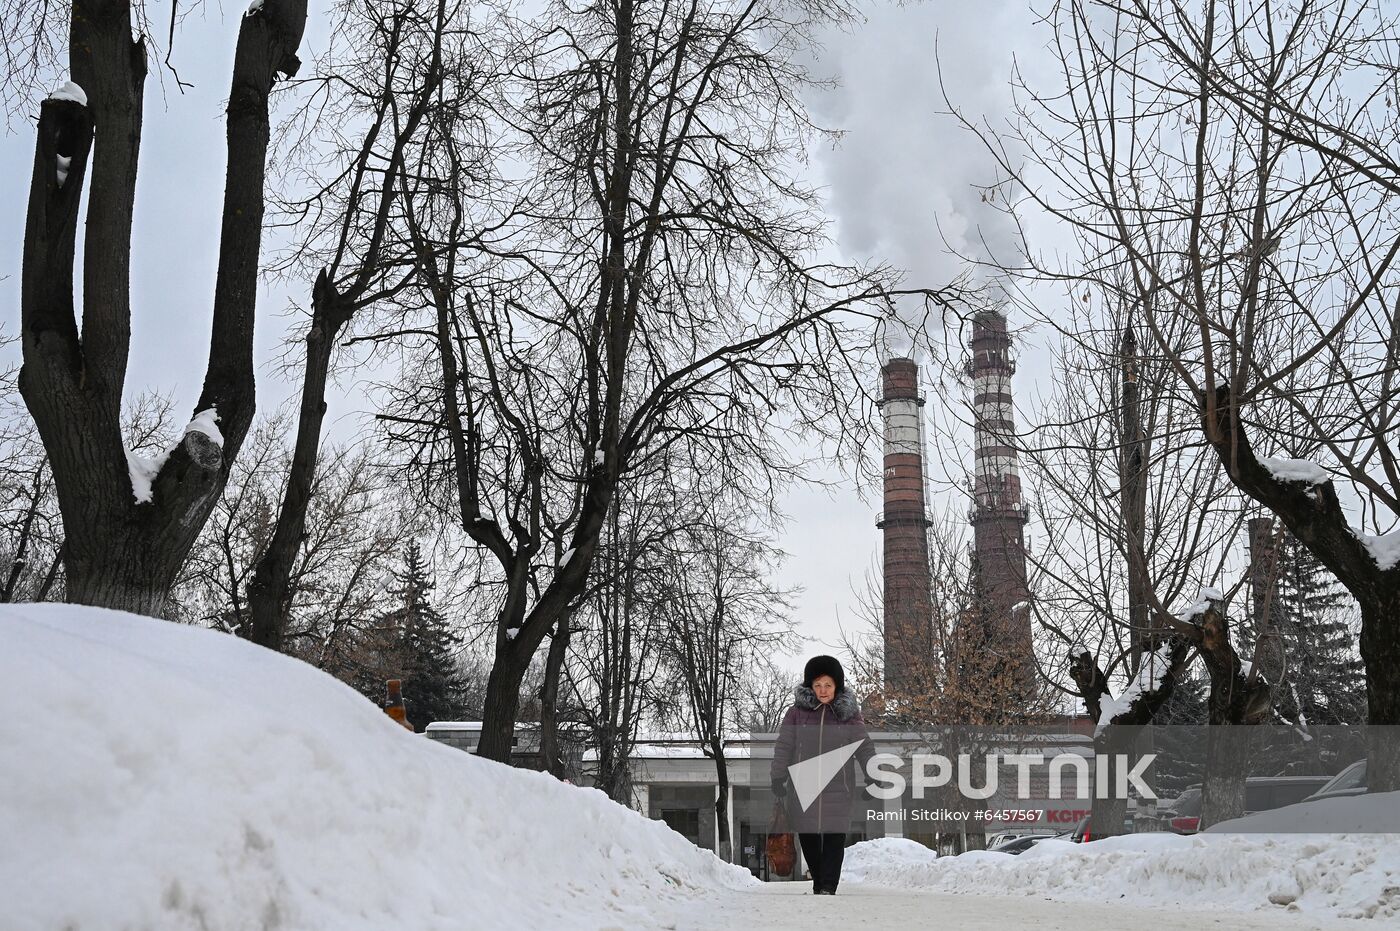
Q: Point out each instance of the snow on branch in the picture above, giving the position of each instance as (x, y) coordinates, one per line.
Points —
(1147, 680)
(1209, 595)
(1384, 549)
(203, 443)
(1303, 471)
(205, 422)
(70, 91)
(1153, 684)
(143, 470)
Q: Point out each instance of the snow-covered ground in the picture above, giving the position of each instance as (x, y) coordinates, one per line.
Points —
(1335, 876)
(155, 776)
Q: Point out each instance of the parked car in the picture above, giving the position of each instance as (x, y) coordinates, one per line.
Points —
(996, 840)
(1261, 793)
(1018, 845)
(1081, 833)
(1350, 781)
(1183, 815)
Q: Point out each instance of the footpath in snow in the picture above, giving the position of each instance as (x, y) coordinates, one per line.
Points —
(161, 777)
(791, 907)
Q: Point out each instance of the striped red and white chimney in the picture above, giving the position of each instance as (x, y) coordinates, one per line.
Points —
(998, 514)
(907, 607)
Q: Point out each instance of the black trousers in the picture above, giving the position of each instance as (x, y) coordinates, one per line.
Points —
(823, 853)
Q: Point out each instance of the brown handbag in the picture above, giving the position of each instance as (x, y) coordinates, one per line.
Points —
(782, 852)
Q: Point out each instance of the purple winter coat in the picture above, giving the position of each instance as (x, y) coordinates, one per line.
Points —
(810, 729)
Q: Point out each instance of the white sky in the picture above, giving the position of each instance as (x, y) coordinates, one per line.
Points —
(902, 180)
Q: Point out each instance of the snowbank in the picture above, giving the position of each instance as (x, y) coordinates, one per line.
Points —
(1348, 876)
(158, 776)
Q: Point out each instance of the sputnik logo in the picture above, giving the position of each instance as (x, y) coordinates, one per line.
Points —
(810, 777)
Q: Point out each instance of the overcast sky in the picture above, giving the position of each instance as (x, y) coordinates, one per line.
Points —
(903, 181)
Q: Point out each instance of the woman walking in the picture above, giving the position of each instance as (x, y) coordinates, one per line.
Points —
(824, 718)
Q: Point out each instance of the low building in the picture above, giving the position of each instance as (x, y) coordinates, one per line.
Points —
(676, 782)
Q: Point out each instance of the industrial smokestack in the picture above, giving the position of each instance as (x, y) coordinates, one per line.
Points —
(998, 515)
(904, 522)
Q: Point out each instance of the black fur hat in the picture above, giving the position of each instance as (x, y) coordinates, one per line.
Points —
(824, 666)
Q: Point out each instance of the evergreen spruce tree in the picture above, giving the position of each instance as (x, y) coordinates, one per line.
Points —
(1329, 685)
(1308, 652)
(1313, 660)
(1179, 732)
(433, 685)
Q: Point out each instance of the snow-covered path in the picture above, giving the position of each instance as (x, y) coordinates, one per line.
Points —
(781, 906)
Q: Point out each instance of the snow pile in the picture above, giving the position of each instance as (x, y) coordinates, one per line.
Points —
(890, 861)
(1384, 549)
(1295, 470)
(1348, 876)
(159, 776)
(70, 91)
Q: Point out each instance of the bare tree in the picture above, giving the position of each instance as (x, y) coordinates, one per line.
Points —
(355, 528)
(615, 673)
(660, 284)
(1133, 514)
(764, 695)
(724, 615)
(390, 74)
(30, 533)
(1193, 155)
(121, 549)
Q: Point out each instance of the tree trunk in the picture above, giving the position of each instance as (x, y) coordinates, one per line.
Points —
(1229, 750)
(1236, 703)
(502, 702)
(549, 699)
(1119, 734)
(269, 592)
(133, 573)
(1380, 651)
(120, 552)
(1109, 813)
(722, 802)
(1132, 478)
